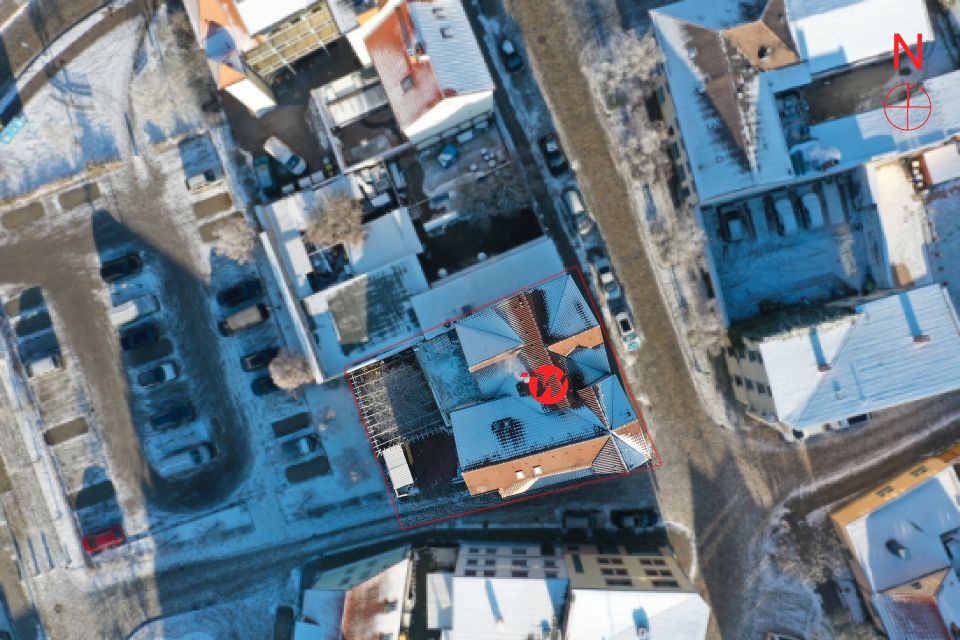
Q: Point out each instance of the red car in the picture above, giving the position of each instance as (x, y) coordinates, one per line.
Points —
(103, 540)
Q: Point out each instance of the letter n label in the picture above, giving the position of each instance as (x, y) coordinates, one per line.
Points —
(916, 60)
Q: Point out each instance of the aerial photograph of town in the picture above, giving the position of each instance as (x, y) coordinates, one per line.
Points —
(479, 319)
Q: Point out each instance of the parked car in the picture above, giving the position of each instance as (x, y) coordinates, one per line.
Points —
(553, 153)
(259, 359)
(173, 417)
(249, 317)
(580, 219)
(187, 461)
(204, 180)
(603, 272)
(812, 210)
(732, 219)
(264, 172)
(240, 292)
(291, 162)
(786, 218)
(45, 365)
(628, 335)
(134, 309)
(159, 374)
(263, 386)
(103, 540)
(120, 268)
(139, 336)
(299, 447)
(512, 59)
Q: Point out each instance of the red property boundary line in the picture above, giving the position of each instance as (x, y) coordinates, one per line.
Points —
(656, 460)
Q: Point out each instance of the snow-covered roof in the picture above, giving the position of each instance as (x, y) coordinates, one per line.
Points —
(439, 600)
(260, 15)
(943, 163)
(611, 614)
(322, 613)
(484, 335)
(486, 281)
(284, 221)
(874, 360)
(733, 141)
(423, 52)
(445, 32)
(510, 427)
(397, 467)
(389, 238)
(486, 608)
(868, 28)
(866, 136)
(567, 311)
(222, 36)
(914, 520)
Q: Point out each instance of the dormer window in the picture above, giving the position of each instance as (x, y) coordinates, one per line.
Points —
(407, 83)
(446, 33)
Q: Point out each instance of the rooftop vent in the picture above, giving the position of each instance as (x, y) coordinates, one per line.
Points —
(764, 52)
(897, 549)
(823, 368)
(920, 338)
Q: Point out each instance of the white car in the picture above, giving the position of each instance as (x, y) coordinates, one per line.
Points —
(580, 218)
(131, 310)
(186, 462)
(291, 162)
(609, 286)
(628, 335)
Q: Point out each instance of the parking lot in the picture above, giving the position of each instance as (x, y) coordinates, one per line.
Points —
(771, 251)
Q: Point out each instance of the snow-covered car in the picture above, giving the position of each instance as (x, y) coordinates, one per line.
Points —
(263, 385)
(786, 218)
(512, 59)
(580, 219)
(289, 161)
(122, 267)
(264, 172)
(43, 366)
(603, 272)
(812, 209)
(134, 309)
(164, 372)
(628, 335)
(245, 319)
(301, 446)
(187, 461)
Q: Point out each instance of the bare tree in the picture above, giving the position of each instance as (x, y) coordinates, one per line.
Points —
(352, 467)
(809, 555)
(235, 240)
(290, 370)
(500, 193)
(336, 220)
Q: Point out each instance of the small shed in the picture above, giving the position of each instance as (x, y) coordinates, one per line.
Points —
(942, 164)
(397, 467)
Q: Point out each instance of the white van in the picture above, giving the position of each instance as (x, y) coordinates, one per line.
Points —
(293, 163)
(785, 216)
(579, 217)
(44, 366)
(133, 309)
(811, 204)
(186, 461)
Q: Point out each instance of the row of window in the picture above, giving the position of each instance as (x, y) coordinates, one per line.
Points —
(613, 572)
(537, 471)
(762, 389)
(653, 573)
(517, 551)
(603, 560)
(490, 573)
(745, 354)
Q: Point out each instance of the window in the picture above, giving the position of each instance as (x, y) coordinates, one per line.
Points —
(919, 471)
(883, 493)
(537, 470)
(549, 564)
(684, 193)
(489, 562)
(620, 572)
(672, 584)
(741, 354)
(606, 572)
(603, 560)
(660, 563)
(520, 474)
(469, 572)
(489, 573)
(681, 173)
(577, 563)
(650, 572)
(674, 151)
(749, 383)
(519, 563)
(737, 380)
(518, 574)
(731, 352)
(474, 549)
(753, 356)
(618, 582)
(761, 388)
(616, 560)
(446, 33)
(646, 562)
(665, 573)
(551, 574)
(472, 562)
(661, 96)
(407, 83)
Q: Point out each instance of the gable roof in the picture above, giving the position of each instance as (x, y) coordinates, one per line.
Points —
(446, 35)
(874, 361)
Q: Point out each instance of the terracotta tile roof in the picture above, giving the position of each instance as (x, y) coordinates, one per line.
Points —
(913, 617)
(407, 75)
